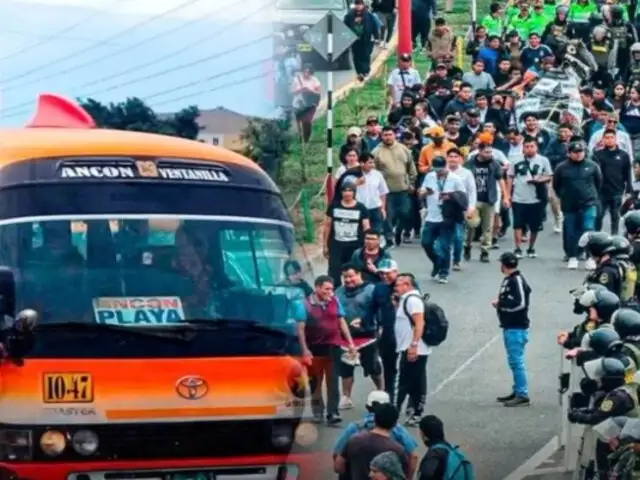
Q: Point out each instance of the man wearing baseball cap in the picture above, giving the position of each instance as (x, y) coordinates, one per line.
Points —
(401, 78)
(399, 433)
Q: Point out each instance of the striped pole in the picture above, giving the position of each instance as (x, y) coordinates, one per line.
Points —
(329, 187)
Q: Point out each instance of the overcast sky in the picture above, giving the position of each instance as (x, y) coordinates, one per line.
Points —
(153, 49)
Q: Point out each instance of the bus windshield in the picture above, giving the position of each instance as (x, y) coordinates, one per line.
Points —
(153, 270)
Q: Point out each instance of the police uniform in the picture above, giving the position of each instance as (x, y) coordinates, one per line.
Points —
(634, 64)
(600, 44)
(623, 36)
(605, 304)
(632, 227)
(608, 275)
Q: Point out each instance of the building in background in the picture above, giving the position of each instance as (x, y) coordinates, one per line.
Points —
(222, 127)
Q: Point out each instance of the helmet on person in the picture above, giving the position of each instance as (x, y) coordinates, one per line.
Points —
(632, 219)
(599, 32)
(604, 341)
(562, 9)
(626, 322)
(635, 48)
(616, 11)
(595, 243)
(582, 300)
(620, 246)
(603, 301)
(608, 372)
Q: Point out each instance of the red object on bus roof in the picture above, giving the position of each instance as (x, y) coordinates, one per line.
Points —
(55, 111)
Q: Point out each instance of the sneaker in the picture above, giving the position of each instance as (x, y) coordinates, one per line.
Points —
(494, 244)
(317, 418)
(590, 264)
(467, 253)
(518, 401)
(412, 421)
(406, 238)
(484, 257)
(506, 398)
(572, 264)
(409, 412)
(518, 252)
(443, 279)
(345, 403)
(531, 253)
(557, 227)
(333, 419)
(456, 267)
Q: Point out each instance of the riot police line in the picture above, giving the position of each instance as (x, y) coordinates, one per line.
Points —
(600, 388)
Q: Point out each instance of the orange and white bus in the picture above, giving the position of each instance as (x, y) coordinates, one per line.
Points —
(147, 335)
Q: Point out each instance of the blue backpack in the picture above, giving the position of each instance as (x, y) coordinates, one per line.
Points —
(458, 466)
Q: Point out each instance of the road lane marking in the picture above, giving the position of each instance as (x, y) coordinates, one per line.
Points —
(463, 367)
(528, 468)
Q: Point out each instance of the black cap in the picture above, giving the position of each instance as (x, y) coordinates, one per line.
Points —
(509, 260)
(473, 112)
(438, 163)
(372, 120)
(405, 57)
(575, 147)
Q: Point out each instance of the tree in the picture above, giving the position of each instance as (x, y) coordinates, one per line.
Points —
(267, 141)
(135, 115)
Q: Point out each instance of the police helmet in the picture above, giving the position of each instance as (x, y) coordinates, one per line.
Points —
(606, 367)
(595, 243)
(632, 219)
(562, 9)
(626, 322)
(599, 31)
(604, 302)
(509, 260)
(604, 341)
(635, 48)
(596, 18)
(616, 11)
(619, 246)
(580, 304)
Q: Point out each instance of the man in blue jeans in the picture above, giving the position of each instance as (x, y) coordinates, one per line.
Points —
(512, 306)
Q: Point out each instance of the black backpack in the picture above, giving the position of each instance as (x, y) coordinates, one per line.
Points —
(436, 323)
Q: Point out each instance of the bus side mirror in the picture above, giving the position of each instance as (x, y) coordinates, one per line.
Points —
(7, 292)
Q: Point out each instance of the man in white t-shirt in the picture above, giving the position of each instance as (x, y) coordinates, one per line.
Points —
(401, 78)
(372, 193)
(412, 352)
(440, 186)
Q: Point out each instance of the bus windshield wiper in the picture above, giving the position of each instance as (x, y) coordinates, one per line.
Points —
(143, 331)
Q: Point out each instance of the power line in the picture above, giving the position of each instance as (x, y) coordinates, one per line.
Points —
(53, 36)
(175, 53)
(219, 87)
(96, 45)
(191, 84)
(159, 74)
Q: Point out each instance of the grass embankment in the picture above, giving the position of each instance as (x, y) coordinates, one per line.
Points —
(353, 110)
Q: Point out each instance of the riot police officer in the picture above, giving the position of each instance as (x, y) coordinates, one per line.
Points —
(620, 252)
(598, 245)
(624, 35)
(626, 323)
(634, 64)
(605, 381)
(555, 30)
(600, 45)
(598, 304)
(632, 227)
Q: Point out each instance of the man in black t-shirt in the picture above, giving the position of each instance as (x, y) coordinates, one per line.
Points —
(343, 230)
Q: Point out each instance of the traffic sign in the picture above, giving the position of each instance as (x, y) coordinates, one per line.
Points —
(317, 35)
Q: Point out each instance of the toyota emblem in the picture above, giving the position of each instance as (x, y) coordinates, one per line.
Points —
(192, 387)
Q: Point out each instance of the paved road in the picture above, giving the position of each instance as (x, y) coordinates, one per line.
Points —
(468, 371)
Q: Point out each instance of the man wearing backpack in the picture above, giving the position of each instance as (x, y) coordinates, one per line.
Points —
(411, 349)
(442, 461)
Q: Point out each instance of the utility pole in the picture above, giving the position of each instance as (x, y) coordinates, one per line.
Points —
(404, 27)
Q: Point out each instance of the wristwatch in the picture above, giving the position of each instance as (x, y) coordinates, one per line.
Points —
(414, 344)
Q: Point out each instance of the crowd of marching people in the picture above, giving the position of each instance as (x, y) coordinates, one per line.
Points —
(451, 166)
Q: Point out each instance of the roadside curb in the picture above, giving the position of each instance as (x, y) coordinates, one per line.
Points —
(376, 70)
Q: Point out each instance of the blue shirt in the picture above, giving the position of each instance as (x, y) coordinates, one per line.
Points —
(490, 58)
(399, 434)
(531, 56)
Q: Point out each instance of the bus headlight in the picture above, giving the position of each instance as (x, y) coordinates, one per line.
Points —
(53, 442)
(16, 445)
(281, 436)
(85, 442)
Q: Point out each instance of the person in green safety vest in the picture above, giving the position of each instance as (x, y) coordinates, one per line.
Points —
(549, 10)
(538, 20)
(494, 22)
(521, 23)
(579, 13)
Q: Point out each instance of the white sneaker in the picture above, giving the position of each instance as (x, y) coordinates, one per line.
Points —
(590, 264)
(345, 403)
(572, 264)
(557, 228)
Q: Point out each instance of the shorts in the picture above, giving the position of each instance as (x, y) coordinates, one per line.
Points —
(528, 215)
(369, 360)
